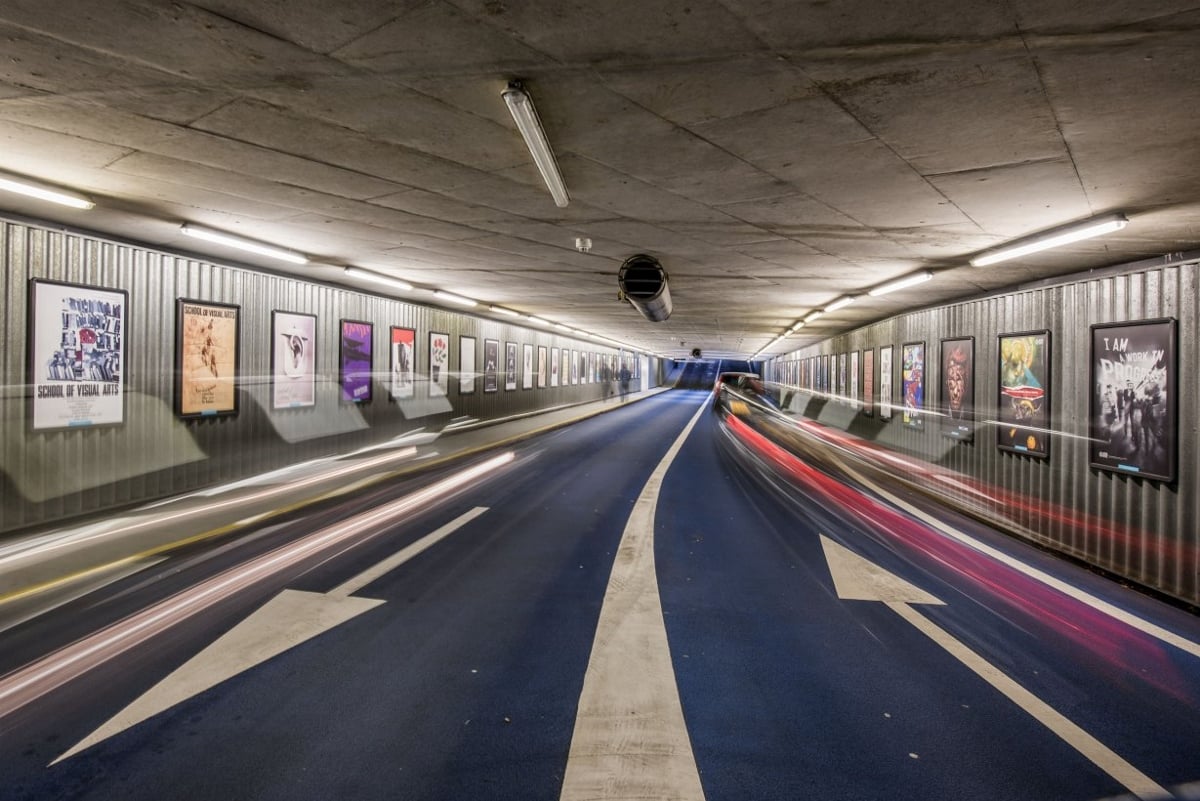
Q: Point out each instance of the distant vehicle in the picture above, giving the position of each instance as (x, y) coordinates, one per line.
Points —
(733, 378)
(747, 385)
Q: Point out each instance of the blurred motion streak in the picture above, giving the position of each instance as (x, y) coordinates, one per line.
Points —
(38, 678)
(1120, 646)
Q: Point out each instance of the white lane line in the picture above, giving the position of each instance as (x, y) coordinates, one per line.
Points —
(630, 739)
(1104, 758)
(1115, 612)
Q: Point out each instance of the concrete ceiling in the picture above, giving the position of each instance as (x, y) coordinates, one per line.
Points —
(773, 154)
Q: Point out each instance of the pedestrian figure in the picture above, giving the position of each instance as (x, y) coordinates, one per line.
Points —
(624, 376)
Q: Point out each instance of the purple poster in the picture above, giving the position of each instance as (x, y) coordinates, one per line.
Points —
(355, 366)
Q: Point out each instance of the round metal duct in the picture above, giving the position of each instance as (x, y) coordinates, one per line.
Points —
(643, 283)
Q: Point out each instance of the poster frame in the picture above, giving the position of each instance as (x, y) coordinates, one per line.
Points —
(181, 380)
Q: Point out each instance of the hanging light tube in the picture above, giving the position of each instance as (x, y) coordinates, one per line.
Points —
(386, 280)
(520, 105)
(840, 303)
(450, 297)
(504, 311)
(1057, 237)
(901, 283)
(208, 235)
(32, 188)
(813, 315)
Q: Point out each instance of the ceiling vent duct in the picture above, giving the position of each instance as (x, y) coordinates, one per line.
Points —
(643, 282)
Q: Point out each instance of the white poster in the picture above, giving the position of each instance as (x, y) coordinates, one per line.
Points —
(293, 360)
(77, 355)
(885, 382)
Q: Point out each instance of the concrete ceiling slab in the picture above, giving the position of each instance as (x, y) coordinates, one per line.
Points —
(773, 155)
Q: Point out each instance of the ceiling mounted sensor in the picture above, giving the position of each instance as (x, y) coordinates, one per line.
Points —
(520, 105)
(643, 282)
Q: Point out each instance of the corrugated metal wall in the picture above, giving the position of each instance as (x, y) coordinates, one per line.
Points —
(1139, 528)
(50, 475)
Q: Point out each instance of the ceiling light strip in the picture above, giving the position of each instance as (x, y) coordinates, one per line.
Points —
(33, 188)
(386, 280)
(901, 283)
(1096, 226)
(520, 105)
(248, 245)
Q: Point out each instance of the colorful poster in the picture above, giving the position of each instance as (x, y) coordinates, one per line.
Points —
(885, 383)
(1133, 408)
(354, 365)
(541, 367)
(439, 363)
(293, 360)
(510, 365)
(912, 383)
(77, 355)
(527, 367)
(1024, 400)
(869, 382)
(854, 368)
(404, 364)
(206, 358)
(466, 365)
(958, 388)
(491, 365)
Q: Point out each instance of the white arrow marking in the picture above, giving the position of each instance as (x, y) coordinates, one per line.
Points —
(630, 739)
(856, 575)
(288, 619)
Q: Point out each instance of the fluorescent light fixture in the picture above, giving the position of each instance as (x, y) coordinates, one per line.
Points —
(796, 327)
(813, 315)
(251, 246)
(386, 280)
(33, 188)
(520, 105)
(504, 311)
(538, 320)
(901, 283)
(840, 303)
(450, 297)
(1054, 238)
(563, 327)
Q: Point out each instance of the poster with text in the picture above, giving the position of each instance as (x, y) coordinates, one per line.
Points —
(958, 388)
(510, 365)
(293, 360)
(466, 365)
(439, 363)
(206, 358)
(1133, 409)
(885, 383)
(76, 355)
(854, 368)
(491, 365)
(404, 352)
(354, 365)
(869, 382)
(912, 383)
(1024, 402)
(541, 366)
(527, 367)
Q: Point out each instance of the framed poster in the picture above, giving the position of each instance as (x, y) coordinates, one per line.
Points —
(293, 360)
(76, 355)
(833, 374)
(591, 367)
(868, 358)
(855, 398)
(843, 384)
(554, 367)
(510, 366)
(527, 367)
(957, 398)
(912, 383)
(541, 367)
(885, 383)
(1133, 411)
(439, 362)
(574, 367)
(404, 356)
(206, 358)
(1024, 401)
(491, 365)
(825, 373)
(466, 365)
(354, 361)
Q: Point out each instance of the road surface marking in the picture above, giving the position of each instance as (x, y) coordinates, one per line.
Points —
(630, 739)
(857, 575)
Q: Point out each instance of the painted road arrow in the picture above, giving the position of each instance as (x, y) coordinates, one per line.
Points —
(858, 579)
(288, 619)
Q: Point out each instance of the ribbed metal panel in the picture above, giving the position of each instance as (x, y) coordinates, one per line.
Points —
(50, 475)
(1138, 528)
